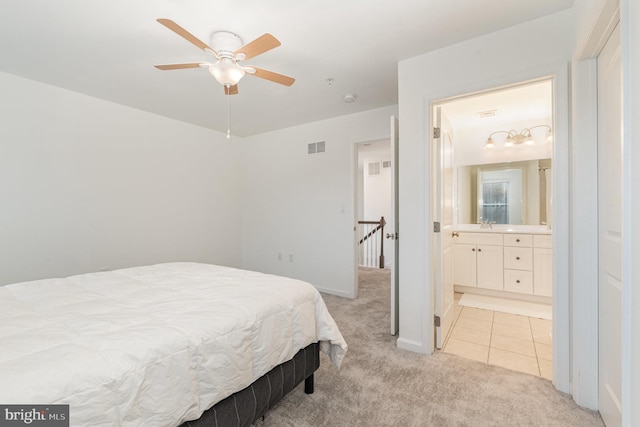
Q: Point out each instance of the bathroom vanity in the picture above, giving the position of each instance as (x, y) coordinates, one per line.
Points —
(511, 261)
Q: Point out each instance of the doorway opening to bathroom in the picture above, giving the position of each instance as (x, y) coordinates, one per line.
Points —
(492, 203)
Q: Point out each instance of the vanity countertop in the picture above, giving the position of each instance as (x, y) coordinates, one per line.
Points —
(504, 228)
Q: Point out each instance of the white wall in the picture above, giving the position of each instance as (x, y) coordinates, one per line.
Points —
(86, 184)
(377, 188)
(304, 205)
(531, 50)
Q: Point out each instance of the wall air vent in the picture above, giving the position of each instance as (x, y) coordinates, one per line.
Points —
(374, 168)
(487, 113)
(386, 164)
(316, 147)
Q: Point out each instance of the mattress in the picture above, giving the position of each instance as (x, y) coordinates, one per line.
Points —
(154, 345)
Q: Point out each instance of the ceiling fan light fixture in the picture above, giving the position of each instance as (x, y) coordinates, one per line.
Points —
(226, 72)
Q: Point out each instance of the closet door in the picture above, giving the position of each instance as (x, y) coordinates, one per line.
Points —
(610, 230)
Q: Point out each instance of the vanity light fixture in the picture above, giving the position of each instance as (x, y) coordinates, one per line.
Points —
(516, 138)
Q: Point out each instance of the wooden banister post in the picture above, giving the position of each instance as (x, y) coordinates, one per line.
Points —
(382, 223)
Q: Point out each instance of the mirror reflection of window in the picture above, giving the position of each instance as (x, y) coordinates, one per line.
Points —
(502, 193)
(495, 202)
(529, 191)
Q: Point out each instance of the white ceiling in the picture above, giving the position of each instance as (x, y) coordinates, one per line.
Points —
(510, 109)
(514, 108)
(107, 49)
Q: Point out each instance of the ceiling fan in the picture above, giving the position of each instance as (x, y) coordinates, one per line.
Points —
(228, 50)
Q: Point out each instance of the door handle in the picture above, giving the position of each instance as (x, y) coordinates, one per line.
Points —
(392, 236)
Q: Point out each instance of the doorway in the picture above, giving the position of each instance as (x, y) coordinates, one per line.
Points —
(376, 183)
(493, 201)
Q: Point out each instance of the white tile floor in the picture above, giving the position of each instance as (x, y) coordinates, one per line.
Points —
(514, 342)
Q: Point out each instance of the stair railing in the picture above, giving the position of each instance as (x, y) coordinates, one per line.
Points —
(373, 238)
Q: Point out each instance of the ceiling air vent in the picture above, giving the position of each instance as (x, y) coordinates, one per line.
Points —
(374, 168)
(316, 147)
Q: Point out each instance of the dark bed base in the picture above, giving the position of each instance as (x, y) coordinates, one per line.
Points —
(246, 406)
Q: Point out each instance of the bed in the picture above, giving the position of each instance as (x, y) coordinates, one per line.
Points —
(162, 345)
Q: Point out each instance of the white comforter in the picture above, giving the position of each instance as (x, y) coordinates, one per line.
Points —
(155, 345)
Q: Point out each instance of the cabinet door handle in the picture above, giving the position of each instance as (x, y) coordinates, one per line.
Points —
(473, 249)
(518, 258)
(517, 281)
(455, 234)
(518, 240)
(479, 250)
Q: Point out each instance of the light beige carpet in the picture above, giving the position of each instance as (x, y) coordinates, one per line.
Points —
(380, 385)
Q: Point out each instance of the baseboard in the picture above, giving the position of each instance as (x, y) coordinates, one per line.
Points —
(503, 294)
(342, 294)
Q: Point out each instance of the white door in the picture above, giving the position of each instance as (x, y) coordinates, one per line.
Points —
(392, 227)
(443, 146)
(610, 230)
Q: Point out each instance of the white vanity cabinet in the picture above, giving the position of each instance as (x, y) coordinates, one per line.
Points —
(542, 272)
(511, 262)
(518, 263)
(478, 260)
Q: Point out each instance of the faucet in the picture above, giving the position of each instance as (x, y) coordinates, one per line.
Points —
(487, 224)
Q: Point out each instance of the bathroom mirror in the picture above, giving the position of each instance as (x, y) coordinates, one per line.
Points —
(507, 193)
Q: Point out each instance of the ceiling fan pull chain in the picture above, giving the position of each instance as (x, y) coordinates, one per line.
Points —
(228, 116)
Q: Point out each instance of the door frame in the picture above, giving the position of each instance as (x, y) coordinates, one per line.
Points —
(561, 307)
(584, 226)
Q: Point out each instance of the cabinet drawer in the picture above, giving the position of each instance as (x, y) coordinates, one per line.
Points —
(518, 258)
(518, 281)
(542, 241)
(478, 238)
(524, 240)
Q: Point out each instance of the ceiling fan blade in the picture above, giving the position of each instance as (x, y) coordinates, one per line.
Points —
(231, 90)
(178, 66)
(260, 45)
(270, 75)
(186, 35)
